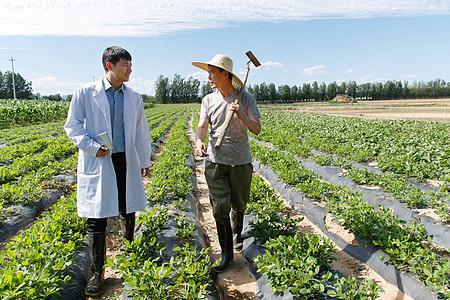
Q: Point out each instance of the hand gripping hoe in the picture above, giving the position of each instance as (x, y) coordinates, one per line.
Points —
(230, 115)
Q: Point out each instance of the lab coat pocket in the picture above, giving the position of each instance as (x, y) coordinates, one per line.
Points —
(88, 196)
(89, 165)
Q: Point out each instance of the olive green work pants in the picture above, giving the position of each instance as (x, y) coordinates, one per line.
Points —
(229, 187)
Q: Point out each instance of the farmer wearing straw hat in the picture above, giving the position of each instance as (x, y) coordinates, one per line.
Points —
(228, 170)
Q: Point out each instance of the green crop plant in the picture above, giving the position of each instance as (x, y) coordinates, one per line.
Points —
(298, 264)
(266, 207)
(186, 229)
(34, 263)
(323, 159)
(147, 274)
(349, 289)
(380, 226)
(413, 148)
(31, 111)
(403, 190)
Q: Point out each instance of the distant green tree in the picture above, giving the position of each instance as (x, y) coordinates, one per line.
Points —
(264, 91)
(388, 91)
(352, 87)
(206, 89)
(176, 90)
(273, 95)
(315, 91)
(55, 97)
(332, 90)
(191, 88)
(255, 92)
(342, 89)
(405, 93)
(285, 93)
(22, 87)
(147, 98)
(378, 91)
(294, 93)
(306, 91)
(162, 89)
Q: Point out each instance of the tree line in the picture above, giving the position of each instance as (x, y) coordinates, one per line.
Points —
(177, 90)
(190, 90)
(22, 87)
(180, 90)
(389, 90)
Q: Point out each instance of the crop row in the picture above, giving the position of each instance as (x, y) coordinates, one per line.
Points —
(401, 188)
(22, 134)
(20, 112)
(295, 262)
(154, 122)
(35, 262)
(147, 273)
(9, 153)
(157, 112)
(156, 132)
(28, 186)
(284, 135)
(414, 148)
(403, 243)
(60, 147)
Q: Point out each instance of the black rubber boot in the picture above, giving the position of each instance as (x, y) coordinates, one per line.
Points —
(127, 223)
(237, 224)
(97, 252)
(226, 244)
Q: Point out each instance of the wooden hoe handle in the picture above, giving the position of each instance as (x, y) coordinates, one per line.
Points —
(231, 113)
(256, 63)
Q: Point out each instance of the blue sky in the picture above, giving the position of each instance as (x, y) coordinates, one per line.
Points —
(58, 44)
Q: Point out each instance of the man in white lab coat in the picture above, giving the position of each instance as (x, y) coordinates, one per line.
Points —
(106, 121)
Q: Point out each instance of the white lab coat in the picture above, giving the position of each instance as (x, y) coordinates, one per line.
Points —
(88, 116)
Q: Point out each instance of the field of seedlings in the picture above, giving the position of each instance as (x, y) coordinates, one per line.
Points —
(340, 208)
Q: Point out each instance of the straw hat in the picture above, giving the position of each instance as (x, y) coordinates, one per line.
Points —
(220, 61)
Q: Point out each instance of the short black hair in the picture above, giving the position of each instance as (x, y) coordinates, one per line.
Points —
(114, 54)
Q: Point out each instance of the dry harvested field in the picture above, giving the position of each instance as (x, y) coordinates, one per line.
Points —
(418, 109)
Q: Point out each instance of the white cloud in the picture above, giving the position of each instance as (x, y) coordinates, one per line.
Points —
(316, 70)
(49, 85)
(155, 17)
(312, 81)
(270, 65)
(199, 75)
(143, 86)
(412, 76)
(367, 78)
(348, 71)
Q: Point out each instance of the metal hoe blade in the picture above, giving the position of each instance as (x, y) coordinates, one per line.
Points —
(253, 58)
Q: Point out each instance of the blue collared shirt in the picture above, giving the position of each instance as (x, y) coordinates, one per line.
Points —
(115, 99)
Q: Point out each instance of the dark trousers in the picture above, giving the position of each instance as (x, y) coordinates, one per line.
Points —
(120, 168)
(229, 187)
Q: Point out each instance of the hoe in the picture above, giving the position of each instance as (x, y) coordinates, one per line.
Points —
(230, 115)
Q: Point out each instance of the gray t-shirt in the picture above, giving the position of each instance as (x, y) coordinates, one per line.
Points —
(235, 149)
